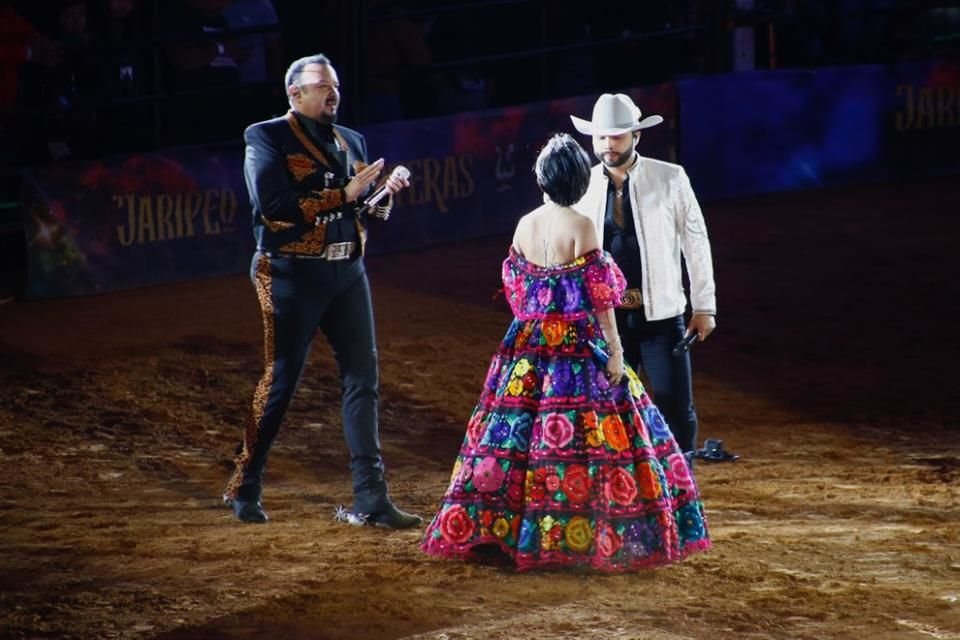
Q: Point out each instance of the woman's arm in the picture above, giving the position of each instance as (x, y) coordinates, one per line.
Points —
(585, 241)
(608, 322)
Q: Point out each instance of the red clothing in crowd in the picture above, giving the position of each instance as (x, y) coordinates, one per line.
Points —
(16, 36)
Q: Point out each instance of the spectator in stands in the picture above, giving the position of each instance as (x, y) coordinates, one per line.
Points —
(20, 44)
(201, 51)
(260, 36)
(124, 40)
(397, 55)
(70, 89)
(203, 73)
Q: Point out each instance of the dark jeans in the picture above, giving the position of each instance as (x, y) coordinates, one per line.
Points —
(648, 345)
(297, 297)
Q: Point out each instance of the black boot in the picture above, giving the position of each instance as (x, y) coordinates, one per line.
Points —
(246, 510)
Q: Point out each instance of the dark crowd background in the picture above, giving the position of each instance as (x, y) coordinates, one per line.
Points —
(82, 79)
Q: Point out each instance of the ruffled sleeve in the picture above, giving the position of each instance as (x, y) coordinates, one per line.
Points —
(514, 288)
(605, 283)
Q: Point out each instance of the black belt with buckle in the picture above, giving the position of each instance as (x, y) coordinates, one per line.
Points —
(333, 252)
(338, 250)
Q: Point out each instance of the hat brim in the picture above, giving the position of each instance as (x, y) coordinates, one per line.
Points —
(586, 127)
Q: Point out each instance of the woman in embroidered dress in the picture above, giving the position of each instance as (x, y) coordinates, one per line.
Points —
(566, 461)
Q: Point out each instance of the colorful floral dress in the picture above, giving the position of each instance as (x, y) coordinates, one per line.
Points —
(558, 467)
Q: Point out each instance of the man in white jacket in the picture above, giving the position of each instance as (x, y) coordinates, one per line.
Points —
(647, 217)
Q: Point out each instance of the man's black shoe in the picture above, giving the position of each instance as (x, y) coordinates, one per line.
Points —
(390, 517)
(248, 511)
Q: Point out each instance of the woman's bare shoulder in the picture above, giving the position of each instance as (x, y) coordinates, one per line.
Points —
(583, 232)
(576, 222)
(522, 231)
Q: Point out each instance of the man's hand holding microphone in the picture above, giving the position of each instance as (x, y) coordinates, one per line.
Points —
(398, 179)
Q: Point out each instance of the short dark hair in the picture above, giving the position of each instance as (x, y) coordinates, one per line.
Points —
(297, 66)
(563, 170)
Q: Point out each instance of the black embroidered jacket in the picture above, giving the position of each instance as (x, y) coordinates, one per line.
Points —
(284, 170)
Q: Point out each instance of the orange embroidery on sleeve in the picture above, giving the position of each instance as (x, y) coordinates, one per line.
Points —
(319, 202)
(276, 225)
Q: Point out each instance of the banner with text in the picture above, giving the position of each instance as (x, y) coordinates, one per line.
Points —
(184, 213)
(136, 220)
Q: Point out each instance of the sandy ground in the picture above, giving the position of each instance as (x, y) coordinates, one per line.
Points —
(831, 373)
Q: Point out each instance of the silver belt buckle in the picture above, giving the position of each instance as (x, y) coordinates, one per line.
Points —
(339, 250)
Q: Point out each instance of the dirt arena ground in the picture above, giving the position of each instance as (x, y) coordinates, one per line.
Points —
(832, 373)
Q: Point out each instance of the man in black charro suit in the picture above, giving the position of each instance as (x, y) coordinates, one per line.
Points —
(307, 179)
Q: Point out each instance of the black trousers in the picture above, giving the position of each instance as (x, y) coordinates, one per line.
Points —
(648, 345)
(297, 297)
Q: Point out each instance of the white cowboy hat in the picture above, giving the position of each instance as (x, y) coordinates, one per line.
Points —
(613, 115)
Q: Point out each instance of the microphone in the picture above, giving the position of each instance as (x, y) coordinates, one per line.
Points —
(399, 171)
(684, 345)
(602, 356)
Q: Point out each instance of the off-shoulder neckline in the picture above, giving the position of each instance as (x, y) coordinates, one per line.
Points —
(581, 260)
